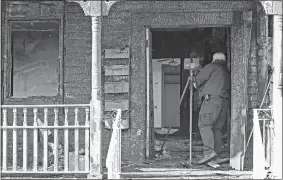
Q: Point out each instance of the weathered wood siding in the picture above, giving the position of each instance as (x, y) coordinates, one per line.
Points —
(116, 69)
(77, 51)
(75, 74)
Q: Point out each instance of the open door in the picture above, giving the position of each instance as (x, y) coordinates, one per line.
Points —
(241, 36)
(150, 146)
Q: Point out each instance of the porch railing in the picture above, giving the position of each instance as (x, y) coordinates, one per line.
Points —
(262, 142)
(113, 160)
(45, 138)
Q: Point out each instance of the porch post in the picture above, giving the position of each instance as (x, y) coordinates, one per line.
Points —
(277, 94)
(96, 103)
(94, 10)
(1, 60)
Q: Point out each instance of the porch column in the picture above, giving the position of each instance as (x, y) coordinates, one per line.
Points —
(96, 102)
(277, 94)
(1, 59)
(94, 10)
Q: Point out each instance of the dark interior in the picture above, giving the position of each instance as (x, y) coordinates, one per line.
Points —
(176, 43)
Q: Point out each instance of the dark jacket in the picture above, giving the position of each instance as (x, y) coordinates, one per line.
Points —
(214, 79)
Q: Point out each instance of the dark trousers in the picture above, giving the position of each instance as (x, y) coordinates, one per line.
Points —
(212, 116)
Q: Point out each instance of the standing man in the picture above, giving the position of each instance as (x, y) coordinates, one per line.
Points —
(214, 84)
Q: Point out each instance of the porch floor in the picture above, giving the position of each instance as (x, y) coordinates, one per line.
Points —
(169, 166)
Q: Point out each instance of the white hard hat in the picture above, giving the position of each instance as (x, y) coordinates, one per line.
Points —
(219, 56)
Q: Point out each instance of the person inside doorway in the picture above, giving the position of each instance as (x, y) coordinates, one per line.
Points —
(213, 83)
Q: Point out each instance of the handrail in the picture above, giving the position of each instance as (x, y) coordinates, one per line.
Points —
(44, 105)
(259, 144)
(45, 125)
(113, 159)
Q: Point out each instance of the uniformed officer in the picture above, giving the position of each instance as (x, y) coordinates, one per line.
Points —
(214, 84)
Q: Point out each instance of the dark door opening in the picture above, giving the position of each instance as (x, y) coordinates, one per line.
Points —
(169, 48)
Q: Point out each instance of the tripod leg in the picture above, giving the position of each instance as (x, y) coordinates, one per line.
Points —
(191, 113)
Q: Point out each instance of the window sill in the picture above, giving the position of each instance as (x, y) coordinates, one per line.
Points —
(34, 100)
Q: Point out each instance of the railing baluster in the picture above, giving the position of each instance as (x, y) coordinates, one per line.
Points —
(25, 140)
(263, 137)
(113, 159)
(268, 140)
(66, 143)
(56, 140)
(45, 131)
(35, 139)
(76, 140)
(4, 157)
(15, 140)
(258, 150)
(87, 140)
(120, 147)
(45, 141)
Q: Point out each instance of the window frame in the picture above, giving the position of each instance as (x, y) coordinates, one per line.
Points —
(8, 62)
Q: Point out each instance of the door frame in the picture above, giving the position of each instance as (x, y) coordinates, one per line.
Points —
(140, 66)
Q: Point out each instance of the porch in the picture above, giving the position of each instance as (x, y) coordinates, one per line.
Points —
(88, 118)
(21, 158)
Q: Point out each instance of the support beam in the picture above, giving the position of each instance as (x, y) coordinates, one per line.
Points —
(277, 94)
(94, 10)
(96, 102)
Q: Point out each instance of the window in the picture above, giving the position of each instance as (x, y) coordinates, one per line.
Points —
(34, 62)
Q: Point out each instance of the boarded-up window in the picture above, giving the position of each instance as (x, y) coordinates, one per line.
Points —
(34, 52)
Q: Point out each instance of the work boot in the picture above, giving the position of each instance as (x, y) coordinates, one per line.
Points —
(207, 157)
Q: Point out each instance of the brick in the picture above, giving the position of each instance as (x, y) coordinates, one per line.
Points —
(72, 60)
(74, 50)
(78, 20)
(83, 27)
(74, 8)
(76, 35)
(77, 90)
(76, 77)
(78, 43)
(77, 99)
(71, 7)
(83, 69)
(78, 84)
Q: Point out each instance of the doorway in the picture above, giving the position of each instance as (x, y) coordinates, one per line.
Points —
(169, 49)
